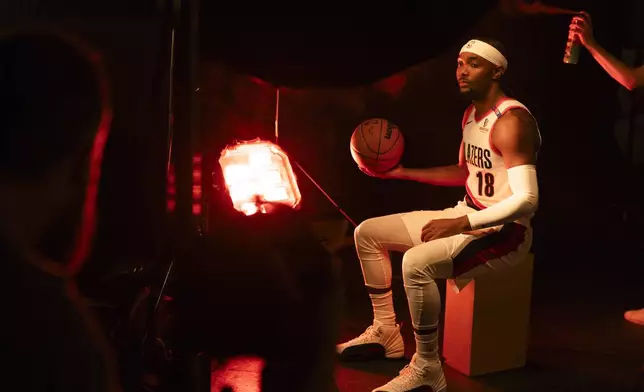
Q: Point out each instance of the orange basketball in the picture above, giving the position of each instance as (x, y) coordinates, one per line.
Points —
(377, 145)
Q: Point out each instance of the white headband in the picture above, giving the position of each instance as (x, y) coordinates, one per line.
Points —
(487, 51)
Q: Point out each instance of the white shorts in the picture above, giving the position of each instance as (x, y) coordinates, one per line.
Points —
(471, 255)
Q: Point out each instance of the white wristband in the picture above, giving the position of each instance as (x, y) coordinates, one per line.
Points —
(523, 202)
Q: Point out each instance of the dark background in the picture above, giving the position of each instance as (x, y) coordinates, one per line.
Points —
(584, 177)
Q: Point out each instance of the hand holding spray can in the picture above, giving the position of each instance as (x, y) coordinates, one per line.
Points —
(573, 46)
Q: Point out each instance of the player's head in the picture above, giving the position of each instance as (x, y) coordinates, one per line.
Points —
(480, 66)
(54, 120)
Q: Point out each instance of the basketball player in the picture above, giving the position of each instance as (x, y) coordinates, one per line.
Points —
(487, 231)
(628, 77)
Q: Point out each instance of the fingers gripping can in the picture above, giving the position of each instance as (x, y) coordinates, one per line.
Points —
(573, 46)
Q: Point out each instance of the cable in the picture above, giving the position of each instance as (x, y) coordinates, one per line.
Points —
(325, 194)
(277, 114)
(171, 21)
(277, 117)
(170, 101)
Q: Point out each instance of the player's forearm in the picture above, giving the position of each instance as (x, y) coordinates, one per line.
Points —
(619, 71)
(453, 175)
(523, 202)
(509, 210)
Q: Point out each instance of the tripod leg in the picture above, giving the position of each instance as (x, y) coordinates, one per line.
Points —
(325, 194)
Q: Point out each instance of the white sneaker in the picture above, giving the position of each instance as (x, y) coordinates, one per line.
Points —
(419, 376)
(375, 342)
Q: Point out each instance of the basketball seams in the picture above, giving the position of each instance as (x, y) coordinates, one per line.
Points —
(379, 140)
(361, 154)
(366, 157)
(364, 139)
(364, 154)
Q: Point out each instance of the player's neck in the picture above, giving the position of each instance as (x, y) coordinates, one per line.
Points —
(486, 103)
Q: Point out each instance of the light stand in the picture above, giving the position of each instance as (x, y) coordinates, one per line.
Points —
(297, 164)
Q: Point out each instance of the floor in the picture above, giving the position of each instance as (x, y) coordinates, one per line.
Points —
(579, 340)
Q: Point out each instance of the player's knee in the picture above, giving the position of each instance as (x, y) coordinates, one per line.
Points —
(365, 230)
(417, 267)
(413, 267)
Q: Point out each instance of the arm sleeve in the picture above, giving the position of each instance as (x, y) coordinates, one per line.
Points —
(524, 200)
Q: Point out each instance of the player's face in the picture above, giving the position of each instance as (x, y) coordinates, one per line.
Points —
(475, 75)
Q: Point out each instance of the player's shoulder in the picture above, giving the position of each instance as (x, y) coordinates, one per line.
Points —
(518, 118)
(515, 126)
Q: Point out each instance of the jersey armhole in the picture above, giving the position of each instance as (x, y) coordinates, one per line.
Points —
(489, 136)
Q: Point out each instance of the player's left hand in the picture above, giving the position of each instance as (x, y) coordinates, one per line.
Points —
(582, 27)
(391, 174)
(443, 228)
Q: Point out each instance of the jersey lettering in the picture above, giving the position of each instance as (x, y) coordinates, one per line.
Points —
(486, 184)
(477, 156)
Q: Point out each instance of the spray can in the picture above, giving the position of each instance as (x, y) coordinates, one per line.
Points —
(573, 46)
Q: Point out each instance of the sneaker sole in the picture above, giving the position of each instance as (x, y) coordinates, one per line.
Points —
(367, 352)
(421, 389)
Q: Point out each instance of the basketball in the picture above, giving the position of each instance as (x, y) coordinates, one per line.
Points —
(377, 145)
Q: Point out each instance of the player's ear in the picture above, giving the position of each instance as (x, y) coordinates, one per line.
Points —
(497, 73)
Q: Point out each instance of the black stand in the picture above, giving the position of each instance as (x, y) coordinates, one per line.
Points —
(181, 33)
(192, 368)
(630, 214)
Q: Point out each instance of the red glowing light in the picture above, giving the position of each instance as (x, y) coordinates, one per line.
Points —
(257, 172)
(196, 184)
(196, 192)
(171, 190)
(196, 175)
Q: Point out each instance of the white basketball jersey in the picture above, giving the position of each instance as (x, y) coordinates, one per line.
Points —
(487, 182)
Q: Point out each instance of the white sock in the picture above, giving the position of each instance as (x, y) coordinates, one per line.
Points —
(427, 347)
(383, 309)
(424, 308)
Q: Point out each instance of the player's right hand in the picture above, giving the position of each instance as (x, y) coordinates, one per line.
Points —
(479, 232)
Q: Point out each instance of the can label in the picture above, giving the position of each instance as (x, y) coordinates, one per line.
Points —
(573, 46)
